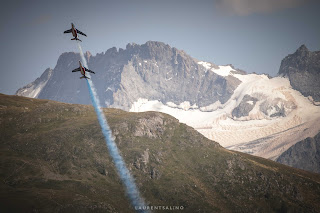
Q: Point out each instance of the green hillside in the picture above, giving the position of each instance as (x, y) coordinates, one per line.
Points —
(54, 159)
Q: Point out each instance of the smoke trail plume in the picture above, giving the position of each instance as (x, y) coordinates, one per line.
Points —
(125, 176)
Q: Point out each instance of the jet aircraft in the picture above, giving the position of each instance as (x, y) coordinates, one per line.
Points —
(83, 71)
(74, 32)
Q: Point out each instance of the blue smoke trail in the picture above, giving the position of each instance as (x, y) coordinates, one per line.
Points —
(125, 176)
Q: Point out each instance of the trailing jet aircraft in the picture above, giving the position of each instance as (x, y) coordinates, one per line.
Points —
(83, 71)
(74, 32)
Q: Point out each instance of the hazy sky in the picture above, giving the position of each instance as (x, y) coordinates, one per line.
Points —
(253, 35)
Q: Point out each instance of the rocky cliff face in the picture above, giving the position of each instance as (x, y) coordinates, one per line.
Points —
(33, 89)
(303, 70)
(158, 72)
(245, 106)
(303, 155)
(153, 71)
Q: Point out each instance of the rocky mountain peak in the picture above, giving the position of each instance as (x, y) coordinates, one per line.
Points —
(156, 46)
(302, 53)
(302, 48)
(131, 46)
(303, 70)
(157, 49)
(88, 55)
(112, 51)
(154, 71)
(154, 50)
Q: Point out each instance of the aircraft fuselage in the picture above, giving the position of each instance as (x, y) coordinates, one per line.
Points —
(74, 31)
(82, 69)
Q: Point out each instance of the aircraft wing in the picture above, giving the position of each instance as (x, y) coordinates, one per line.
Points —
(90, 71)
(81, 32)
(68, 31)
(76, 70)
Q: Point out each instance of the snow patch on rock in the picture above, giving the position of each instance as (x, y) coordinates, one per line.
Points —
(221, 70)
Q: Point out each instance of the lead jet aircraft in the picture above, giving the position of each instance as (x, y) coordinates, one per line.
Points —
(83, 71)
(74, 32)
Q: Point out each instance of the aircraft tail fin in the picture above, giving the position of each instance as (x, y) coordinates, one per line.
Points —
(84, 77)
(76, 39)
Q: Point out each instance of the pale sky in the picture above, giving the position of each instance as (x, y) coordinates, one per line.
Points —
(253, 35)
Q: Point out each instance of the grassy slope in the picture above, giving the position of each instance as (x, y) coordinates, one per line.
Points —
(54, 159)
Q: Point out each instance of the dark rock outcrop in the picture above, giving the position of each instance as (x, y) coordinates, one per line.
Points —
(303, 155)
(245, 106)
(303, 70)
